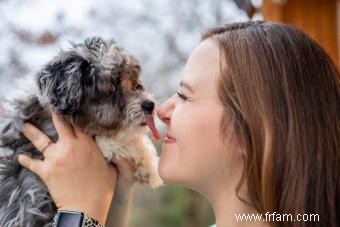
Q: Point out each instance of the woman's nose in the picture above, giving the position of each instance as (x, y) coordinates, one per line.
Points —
(165, 110)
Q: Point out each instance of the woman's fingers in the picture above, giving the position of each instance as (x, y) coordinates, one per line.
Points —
(37, 138)
(64, 129)
(35, 165)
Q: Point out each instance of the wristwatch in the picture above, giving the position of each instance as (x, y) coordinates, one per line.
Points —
(68, 218)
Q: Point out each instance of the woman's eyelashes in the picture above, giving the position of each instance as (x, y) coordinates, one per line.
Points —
(182, 96)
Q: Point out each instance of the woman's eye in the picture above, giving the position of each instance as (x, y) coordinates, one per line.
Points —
(181, 96)
(140, 87)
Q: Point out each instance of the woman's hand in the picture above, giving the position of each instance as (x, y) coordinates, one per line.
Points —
(74, 170)
(125, 180)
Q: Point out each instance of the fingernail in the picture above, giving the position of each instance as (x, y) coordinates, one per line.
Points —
(24, 127)
(21, 158)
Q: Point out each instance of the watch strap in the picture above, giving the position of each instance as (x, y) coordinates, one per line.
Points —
(90, 222)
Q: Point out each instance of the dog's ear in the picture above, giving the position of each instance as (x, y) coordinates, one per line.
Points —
(60, 82)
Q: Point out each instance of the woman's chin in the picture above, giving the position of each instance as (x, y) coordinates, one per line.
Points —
(169, 168)
(167, 172)
(171, 176)
(163, 170)
(167, 162)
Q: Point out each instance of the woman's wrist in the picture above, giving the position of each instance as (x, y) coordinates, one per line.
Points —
(92, 213)
(97, 210)
(66, 217)
(123, 195)
(120, 209)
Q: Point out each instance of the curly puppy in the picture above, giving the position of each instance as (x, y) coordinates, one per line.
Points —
(96, 86)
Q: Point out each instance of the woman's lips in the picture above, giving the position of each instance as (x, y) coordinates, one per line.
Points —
(169, 139)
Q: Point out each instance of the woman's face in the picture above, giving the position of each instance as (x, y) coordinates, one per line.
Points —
(194, 154)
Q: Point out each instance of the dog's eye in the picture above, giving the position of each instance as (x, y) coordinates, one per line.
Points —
(118, 81)
(140, 87)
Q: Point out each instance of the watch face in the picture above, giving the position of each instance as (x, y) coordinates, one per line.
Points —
(70, 219)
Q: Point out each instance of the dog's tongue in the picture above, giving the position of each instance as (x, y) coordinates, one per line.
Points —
(151, 123)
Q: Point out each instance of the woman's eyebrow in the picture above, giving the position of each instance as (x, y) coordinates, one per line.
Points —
(186, 85)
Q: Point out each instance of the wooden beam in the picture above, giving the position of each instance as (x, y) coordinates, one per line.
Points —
(338, 30)
(316, 18)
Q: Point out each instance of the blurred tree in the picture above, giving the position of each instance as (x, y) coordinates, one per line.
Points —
(161, 34)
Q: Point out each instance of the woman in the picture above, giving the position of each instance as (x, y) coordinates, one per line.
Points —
(254, 127)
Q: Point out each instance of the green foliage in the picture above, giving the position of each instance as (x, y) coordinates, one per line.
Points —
(170, 207)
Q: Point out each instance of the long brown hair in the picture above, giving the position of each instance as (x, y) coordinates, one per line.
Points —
(283, 93)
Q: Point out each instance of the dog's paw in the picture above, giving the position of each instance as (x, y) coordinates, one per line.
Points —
(146, 176)
(142, 176)
(155, 180)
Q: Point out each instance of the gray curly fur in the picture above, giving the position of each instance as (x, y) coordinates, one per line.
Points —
(24, 199)
(84, 86)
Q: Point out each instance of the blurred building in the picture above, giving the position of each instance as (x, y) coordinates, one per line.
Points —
(319, 19)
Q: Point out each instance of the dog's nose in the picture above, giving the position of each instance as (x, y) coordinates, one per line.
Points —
(148, 106)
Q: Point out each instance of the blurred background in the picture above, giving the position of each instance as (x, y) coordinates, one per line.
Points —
(161, 34)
